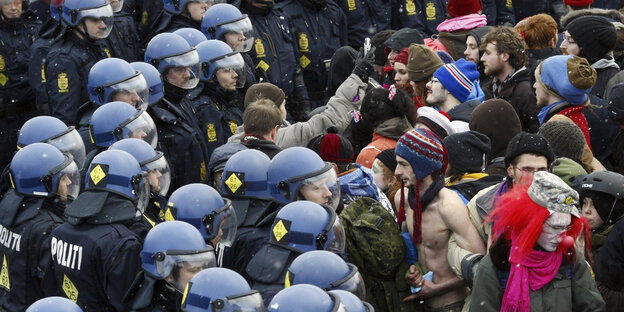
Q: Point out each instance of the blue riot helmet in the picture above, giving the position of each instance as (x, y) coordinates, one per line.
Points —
(297, 172)
(75, 12)
(116, 121)
(178, 6)
(51, 130)
(305, 298)
(191, 35)
(172, 55)
(113, 79)
(306, 226)
(204, 208)
(151, 161)
(220, 290)
(325, 270)
(42, 170)
(154, 81)
(244, 175)
(55, 9)
(172, 246)
(54, 304)
(116, 171)
(351, 302)
(217, 55)
(225, 22)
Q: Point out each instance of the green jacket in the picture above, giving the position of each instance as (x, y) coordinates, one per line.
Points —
(578, 293)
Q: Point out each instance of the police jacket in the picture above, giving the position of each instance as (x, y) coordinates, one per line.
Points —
(218, 112)
(499, 12)
(180, 138)
(423, 15)
(365, 18)
(267, 269)
(96, 255)
(320, 28)
(275, 53)
(68, 64)
(27, 273)
(16, 37)
(37, 62)
(148, 294)
(124, 38)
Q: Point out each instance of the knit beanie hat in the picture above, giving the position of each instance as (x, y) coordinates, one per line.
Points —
(423, 150)
(438, 122)
(402, 56)
(457, 8)
(388, 158)
(578, 3)
(497, 119)
(422, 62)
(445, 57)
(595, 36)
(378, 42)
(528, 143)
(466, 151)
(332, 146)
(566, 76)
(479, 33)
(264, 90)
(403, 37)
(565, 138)
(550, 192)
(458, 78)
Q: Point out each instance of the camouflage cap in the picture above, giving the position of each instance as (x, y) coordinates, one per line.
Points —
(550, 192)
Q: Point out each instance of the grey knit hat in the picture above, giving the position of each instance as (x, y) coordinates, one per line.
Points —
(550, 192)
(565, 138)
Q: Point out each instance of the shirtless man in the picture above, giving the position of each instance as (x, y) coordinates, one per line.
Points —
(420, 159)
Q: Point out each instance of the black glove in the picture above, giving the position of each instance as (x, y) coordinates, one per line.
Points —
(364, 64)
(299, 110)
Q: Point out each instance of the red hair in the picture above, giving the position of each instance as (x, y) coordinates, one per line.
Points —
(520, 219)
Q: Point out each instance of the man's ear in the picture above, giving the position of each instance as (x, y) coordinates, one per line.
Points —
(504, 57)
(273, 134)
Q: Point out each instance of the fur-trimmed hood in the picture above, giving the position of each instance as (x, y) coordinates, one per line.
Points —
(613, 15)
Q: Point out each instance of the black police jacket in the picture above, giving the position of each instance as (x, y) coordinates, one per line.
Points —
(124, 38)
(36, 63)
(27, 273)
(67, 69)
(423, 15)
(267, 269)
(365, 18)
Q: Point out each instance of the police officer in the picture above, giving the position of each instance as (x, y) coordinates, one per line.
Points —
(218, 105)
(180, 136)
(154, 81)
(158, 176)
(56, 304)
(305, 298)
(298, 173)
(29, 211)
(365, 18)
(422, 15)
(96, 255)
(225, 22)
(244, 182)
(173, 253)
(73, 53)
(231, 293)
(38, 53)
(299, 227)
(178, 14)
(18, 31)
(123, 41)
(276, 55)
(320, 28)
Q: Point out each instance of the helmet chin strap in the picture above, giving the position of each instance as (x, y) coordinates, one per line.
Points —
(84, 33)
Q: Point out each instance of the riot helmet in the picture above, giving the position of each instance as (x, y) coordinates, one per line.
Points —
(352, 302)
(96, 17)
(305, 298)
(175, 59)
(115, 121)
(154, 81)
(54, 304)
(245, 175)
(191, 35)
(113, 79)
(225, 22)
(176, 7)
(217, 57)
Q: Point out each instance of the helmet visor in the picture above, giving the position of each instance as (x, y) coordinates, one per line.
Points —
(352, 283)
(98, 21)
(69, 182)
(71, 143)
(182, 70)
(141, 191)
(238, 34)
(249, 302)
(222, 224)
(133, 91)
(193, 260)
(336, 238)
(140, 126)
(158, 174)
(322, 189)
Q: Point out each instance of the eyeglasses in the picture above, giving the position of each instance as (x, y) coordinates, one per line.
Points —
(530, 170)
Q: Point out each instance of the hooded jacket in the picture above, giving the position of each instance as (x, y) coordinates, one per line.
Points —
(385, 137)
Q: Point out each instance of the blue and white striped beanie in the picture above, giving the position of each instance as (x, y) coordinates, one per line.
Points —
(458, 78)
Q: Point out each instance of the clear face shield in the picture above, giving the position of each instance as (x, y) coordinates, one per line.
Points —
(117, 5)
(140, 126)
(338, 305)
(71, 143)
(231, 62)
(222, 224)
(238, 34)
(68, 175)
(141, 191)
(353, 283)
(249, 302)
(133, 91)
(336, 241)
(182, 70)
(97, 21)
(193, 261)
(323, 188)
(158, 174)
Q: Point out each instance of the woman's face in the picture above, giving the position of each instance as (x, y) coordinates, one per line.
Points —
(590, 214)
(400, 74)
